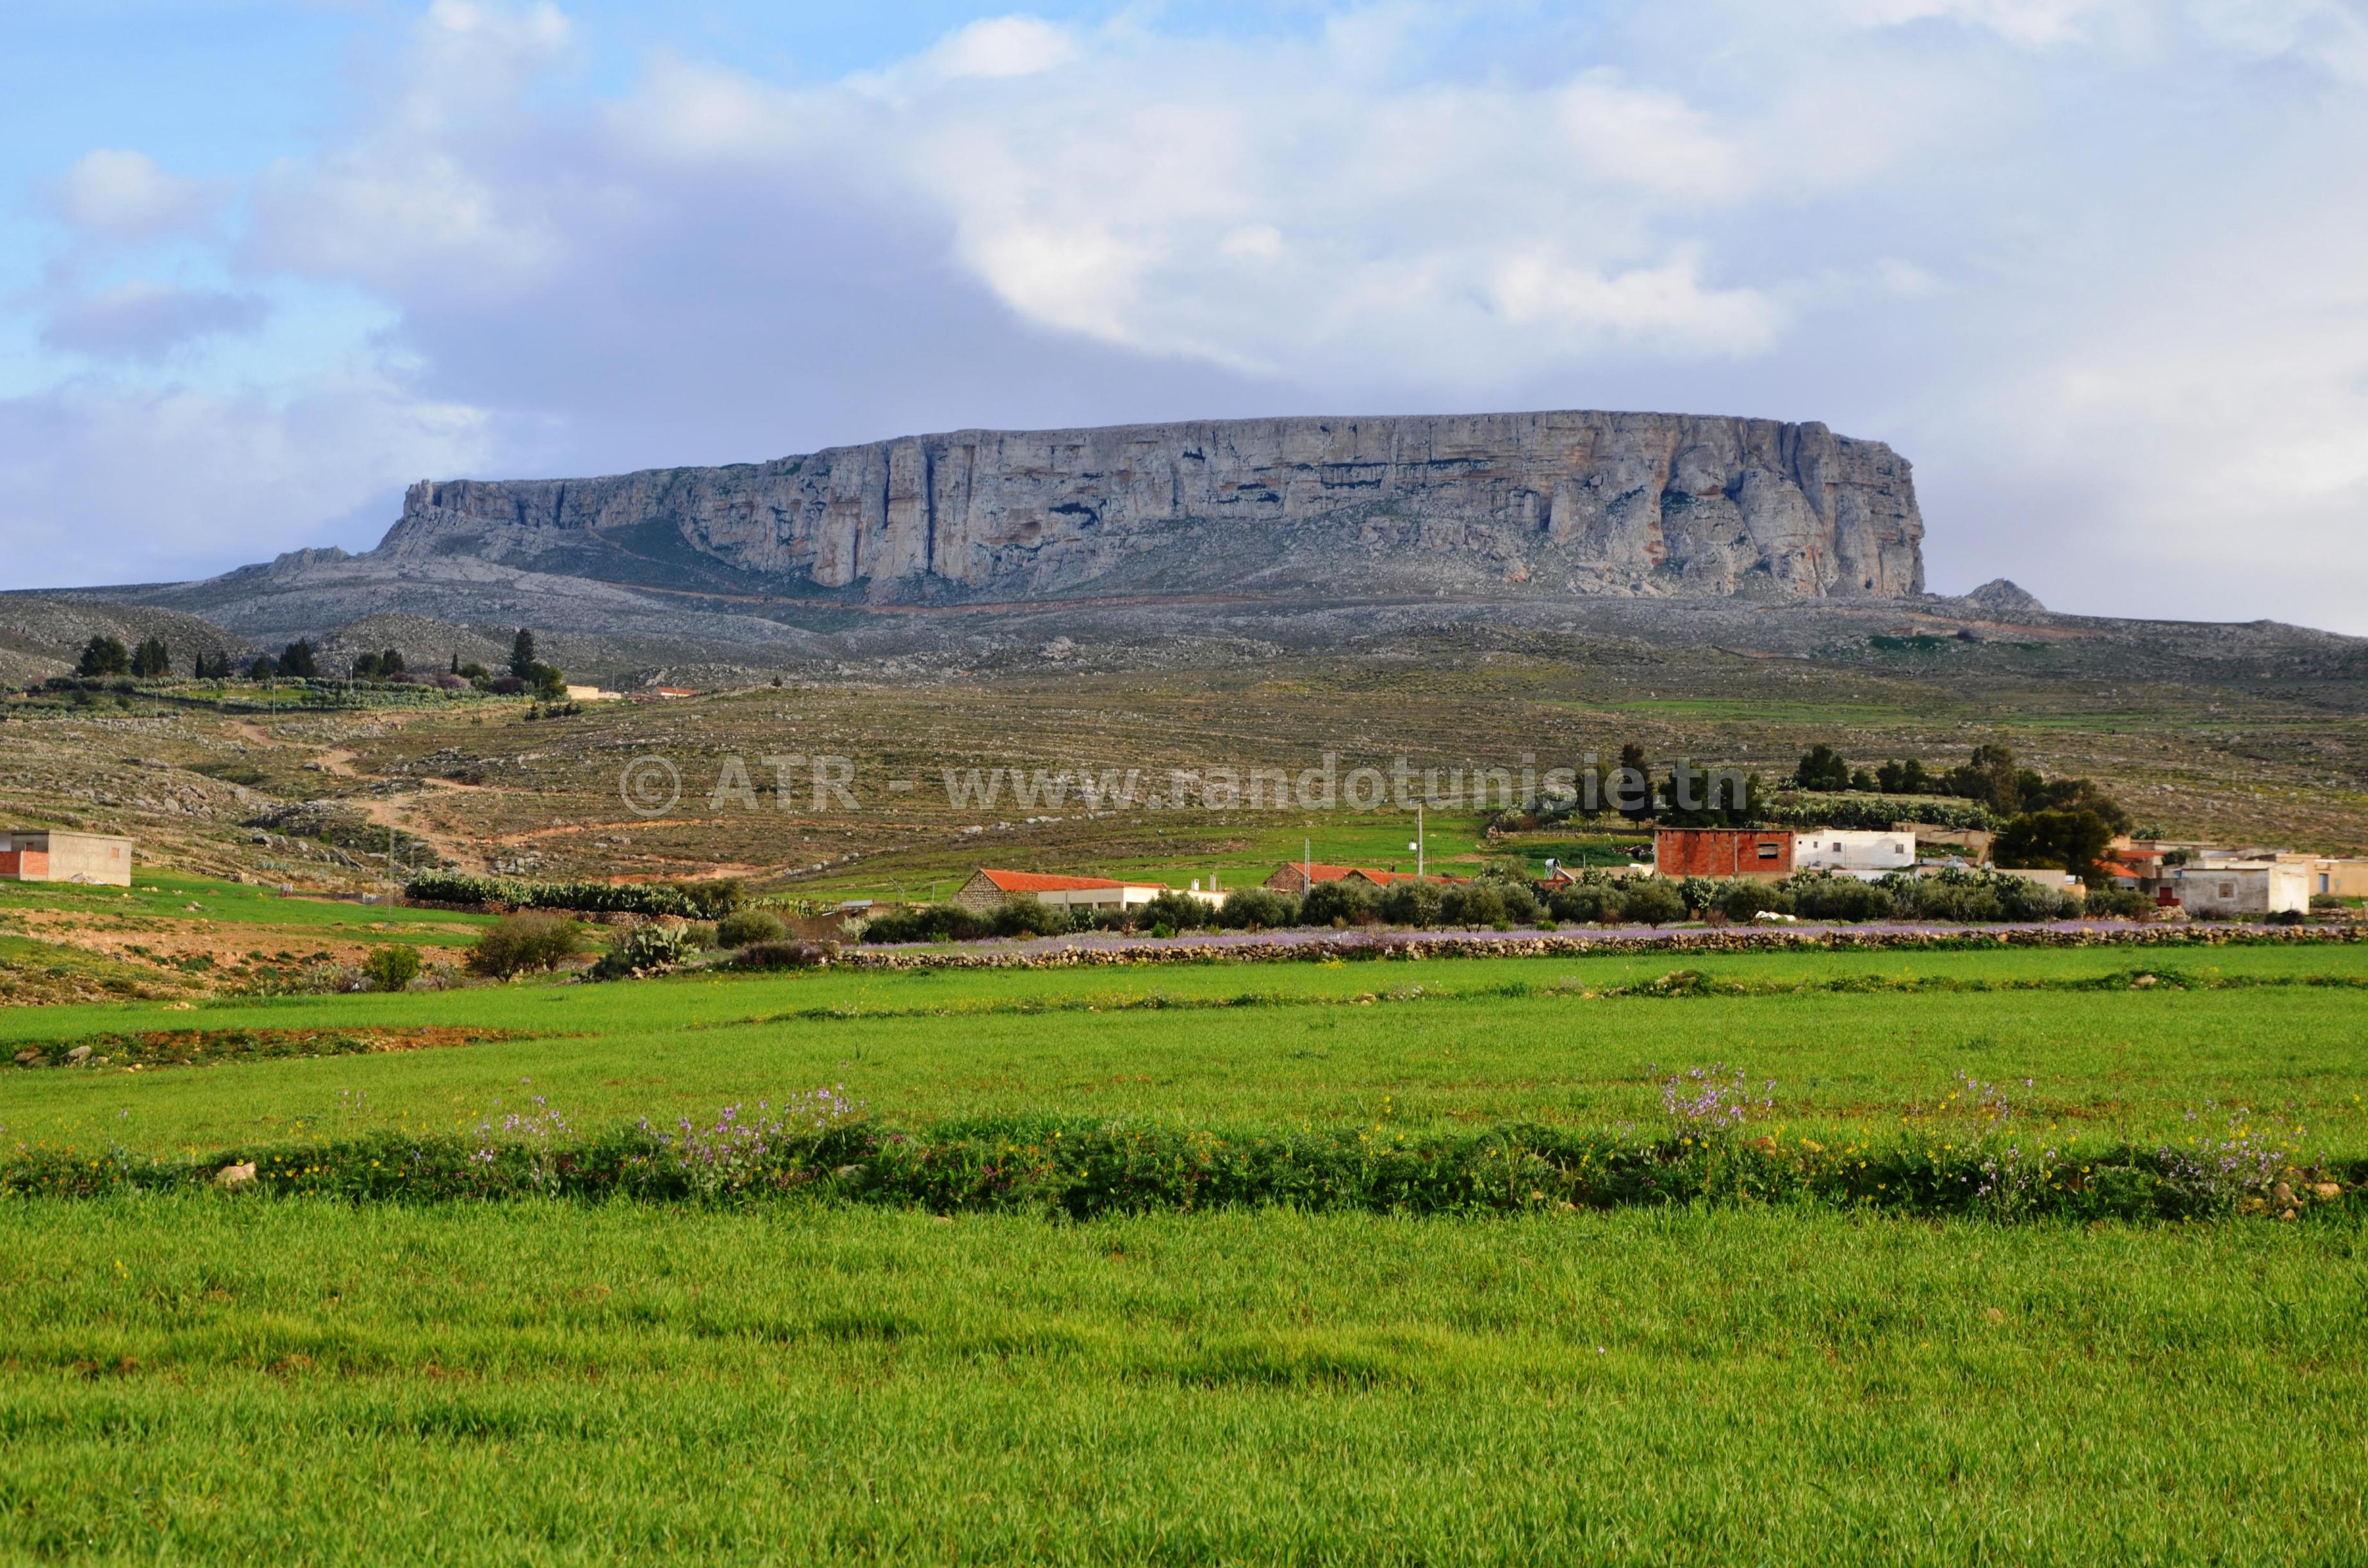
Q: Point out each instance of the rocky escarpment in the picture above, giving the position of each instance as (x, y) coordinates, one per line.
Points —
(1519, 503)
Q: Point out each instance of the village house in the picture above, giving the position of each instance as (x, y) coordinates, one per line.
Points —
(1862, 853)
(42, 855)
(2223, 888)
(2339, 878)
(1724, 852)
(989, 886)
(1295, 877)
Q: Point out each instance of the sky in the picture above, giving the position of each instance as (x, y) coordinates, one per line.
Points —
(2098, 268)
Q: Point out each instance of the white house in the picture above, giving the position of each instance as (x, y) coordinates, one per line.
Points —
(1857, 852)
(2243, 887)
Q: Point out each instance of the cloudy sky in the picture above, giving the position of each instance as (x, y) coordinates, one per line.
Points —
(2100, 267)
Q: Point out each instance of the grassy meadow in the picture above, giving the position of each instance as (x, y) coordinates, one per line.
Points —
(200, 1376)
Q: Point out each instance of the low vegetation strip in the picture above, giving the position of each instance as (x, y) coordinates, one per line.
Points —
(688, 901)
(1080, 1168)
(1678, 984)
(1356, 945)
(211, 1047)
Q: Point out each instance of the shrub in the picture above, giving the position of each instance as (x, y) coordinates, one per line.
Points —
(1819, 897)
(743, 928)
(1652, 900)
(1258, 909)
(523, 942)
(925, 922)
(2117, 904)
(1521, 905)
(1342, 903)
(1598, 902)
(784, 955)
(1411, 904)
(1478, 905)
(1744, 897)
(392, 967)
(1976, 896)
(647, 950)
(1031, 917)
(1176, 910)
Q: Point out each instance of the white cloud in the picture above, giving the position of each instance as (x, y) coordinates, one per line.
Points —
(102, 485)
(430, 187)
(999, 48)
(2033, 23)
(1665, 304)
(147, 320)
(125, 195)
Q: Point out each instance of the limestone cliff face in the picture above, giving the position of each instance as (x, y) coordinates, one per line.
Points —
(1649, 503)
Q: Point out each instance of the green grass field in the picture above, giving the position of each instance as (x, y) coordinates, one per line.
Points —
(161, 895)
(195, 1376)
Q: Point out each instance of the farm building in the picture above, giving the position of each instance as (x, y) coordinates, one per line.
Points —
(1295, 877)
(1722, 852)
(1855, 851)
(2342, 878)
(2243, 887)
(987, 888)
(39, 855)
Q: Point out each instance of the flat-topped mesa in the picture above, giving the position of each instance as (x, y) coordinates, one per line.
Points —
(1527, 504)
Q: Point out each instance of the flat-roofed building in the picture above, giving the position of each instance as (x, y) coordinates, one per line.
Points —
(1724, 852)
(1854, 851)
(48, 855)
(2243, 887)
(2341, 878)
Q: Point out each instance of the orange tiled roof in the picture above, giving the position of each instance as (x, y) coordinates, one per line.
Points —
(1317, 871)
(1037, 882)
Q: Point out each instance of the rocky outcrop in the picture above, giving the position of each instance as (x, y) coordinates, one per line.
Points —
(2005, 599)
(1514, 504)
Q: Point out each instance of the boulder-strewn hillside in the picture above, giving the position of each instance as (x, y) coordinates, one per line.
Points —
(1553, 503)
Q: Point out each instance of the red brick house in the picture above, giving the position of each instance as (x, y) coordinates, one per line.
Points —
(1722, 852)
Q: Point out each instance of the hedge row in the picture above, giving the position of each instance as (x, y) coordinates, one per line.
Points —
(1079, 1168)
(1379, 945)
(689, 902)
(1875, 812)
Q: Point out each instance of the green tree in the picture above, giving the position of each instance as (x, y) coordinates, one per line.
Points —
(152, 660)
(366, 666)
(2067, 841)
(104, 656)
(391, 662)
(1632, 786)
(1822, 768)
(1905, 779)
(522, 655)
(296, 661)
(2080, 795)
(1990, 778)
(548, 683)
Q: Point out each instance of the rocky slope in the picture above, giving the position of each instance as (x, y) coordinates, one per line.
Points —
(1520, 505)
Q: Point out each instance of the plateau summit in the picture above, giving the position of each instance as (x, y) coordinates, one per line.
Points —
(1510, 505)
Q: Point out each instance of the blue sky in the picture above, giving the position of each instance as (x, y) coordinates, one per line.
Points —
(2095, 266)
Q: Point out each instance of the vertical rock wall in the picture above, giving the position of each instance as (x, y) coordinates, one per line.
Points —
(1655, 504)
